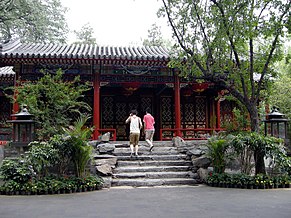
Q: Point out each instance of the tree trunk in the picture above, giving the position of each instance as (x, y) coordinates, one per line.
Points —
(259, 154)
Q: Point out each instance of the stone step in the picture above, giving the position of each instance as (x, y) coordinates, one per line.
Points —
(143, 143)
(143, 149)
(153, 175)
(154, 163)
(153, 157)
(164, 166)
(133, 169)
(153, 182)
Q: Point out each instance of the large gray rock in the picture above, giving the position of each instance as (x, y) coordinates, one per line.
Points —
(104, 170)
(110, 161)
(105, 148)
(196, 152)
(107, 180)
(178, 142)
(201, 162)
(105, 137)
(203, 173)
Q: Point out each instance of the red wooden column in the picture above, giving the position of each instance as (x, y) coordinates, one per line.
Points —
(15, 107)
(96, 105)
(177, 106)
(218, 113)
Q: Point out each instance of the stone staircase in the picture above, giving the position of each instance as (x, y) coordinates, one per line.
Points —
(164, 166)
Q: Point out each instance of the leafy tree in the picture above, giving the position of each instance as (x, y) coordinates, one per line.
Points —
(52, 101)
(154, 36)
(85, 35)
(244, 144)
(228, 43)
(281, 95)
(33, 20)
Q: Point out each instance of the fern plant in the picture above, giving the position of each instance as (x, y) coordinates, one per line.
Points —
(78, 135)
(217, 153)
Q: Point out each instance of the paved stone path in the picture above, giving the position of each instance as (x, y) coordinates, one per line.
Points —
(161, 202)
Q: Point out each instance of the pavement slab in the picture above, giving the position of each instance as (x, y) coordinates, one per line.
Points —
(150, 202)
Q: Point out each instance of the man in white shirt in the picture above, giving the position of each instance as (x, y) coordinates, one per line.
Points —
(135, 127)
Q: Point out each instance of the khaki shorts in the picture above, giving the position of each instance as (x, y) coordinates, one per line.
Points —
(149, 134)
(134, 139)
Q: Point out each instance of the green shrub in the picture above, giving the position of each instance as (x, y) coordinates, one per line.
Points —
(41, 156)
(217, 153)
(244, 180)
(65, 152)
(17, 170)
(77, 138)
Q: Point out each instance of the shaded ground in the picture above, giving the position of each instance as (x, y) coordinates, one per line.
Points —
(171, 202)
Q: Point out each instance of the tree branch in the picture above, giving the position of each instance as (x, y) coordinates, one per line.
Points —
(209, 52)
(187, 50)
(273, 47)
(227, 32)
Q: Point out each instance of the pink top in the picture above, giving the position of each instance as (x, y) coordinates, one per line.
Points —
(149, 121)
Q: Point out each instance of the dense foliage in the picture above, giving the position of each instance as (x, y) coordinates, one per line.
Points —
(242, 147)
(217, 153)
(280, 95)
(33, 20)
(154, 37)
(77, 136)
(232, 44)
(242, 180)
(60, 164)
(85, 35)
(223, 150)
(53, 102)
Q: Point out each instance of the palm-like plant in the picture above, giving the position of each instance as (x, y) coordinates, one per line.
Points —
(216, 152)
(78, 135)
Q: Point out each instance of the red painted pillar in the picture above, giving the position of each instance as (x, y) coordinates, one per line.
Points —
(177, 106)
(218, 114)
(15, 107)
(96, 106)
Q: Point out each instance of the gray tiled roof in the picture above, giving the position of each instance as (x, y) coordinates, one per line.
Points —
(86, 52)
(6, 72)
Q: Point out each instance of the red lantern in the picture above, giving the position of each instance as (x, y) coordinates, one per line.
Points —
(199, 87)
(131, 86)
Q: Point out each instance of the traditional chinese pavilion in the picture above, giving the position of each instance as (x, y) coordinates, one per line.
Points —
(122, 79)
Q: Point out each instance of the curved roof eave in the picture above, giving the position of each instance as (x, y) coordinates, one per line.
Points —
(81, 52)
